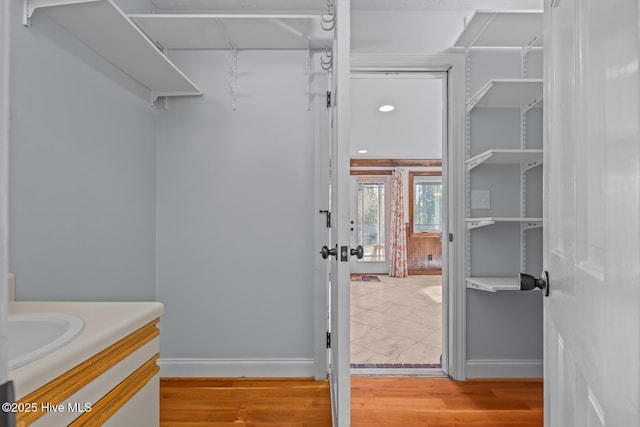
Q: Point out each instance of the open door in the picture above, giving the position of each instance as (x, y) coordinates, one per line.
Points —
(592, 213)
(339, 366)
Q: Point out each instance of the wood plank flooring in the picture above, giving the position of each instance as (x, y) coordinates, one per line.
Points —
(250, 402)
(376, 402)
(413, 402)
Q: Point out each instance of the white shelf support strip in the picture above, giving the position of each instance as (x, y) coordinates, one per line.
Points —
(309, 79)
(166, 53)
(232, 79)
(467, 82)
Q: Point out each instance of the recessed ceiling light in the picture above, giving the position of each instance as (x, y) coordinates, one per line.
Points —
(386, 108)
(363, 151)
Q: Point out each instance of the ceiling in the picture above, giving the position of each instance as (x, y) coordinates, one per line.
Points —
(413, 130)
(298, 5)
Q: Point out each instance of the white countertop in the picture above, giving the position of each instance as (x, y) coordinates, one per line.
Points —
(105, 323)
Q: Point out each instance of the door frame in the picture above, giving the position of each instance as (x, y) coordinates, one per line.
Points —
(453, 274)
(454, 295)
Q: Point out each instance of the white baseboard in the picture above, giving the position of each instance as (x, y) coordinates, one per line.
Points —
(504, 368)
(190, 367)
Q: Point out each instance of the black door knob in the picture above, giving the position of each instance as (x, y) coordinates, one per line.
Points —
(325, 252)
(528, 282)
(358, 252)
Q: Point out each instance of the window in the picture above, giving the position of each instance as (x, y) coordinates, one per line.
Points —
(426, 202)
(371, 219)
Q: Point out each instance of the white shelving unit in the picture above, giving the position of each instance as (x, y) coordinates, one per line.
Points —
(238, 31)
(498, 29)
(528, 158)
(234, 32)
(493, 284)
(522, 28)
(102, 26)
(527, 223)
(242, 31)
(508, 93)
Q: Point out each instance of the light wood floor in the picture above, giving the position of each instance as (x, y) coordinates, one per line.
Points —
(376, 402)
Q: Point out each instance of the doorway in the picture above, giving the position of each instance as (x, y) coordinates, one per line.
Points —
(398, 132)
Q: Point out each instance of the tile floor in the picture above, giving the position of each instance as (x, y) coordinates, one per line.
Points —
(396, 321)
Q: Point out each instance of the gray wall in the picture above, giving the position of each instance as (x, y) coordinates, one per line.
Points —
(235, 210)
(82, 171)
(504, 325)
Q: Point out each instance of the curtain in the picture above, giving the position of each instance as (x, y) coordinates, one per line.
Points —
(397, 236)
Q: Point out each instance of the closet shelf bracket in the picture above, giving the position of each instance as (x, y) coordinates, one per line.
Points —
(530, 225)
(532, 43)
(535, 101)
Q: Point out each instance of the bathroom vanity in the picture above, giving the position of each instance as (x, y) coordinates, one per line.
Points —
(107, 375)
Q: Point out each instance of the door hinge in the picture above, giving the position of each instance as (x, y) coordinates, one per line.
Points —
(328, 217)
(328, 99)
(328, 339)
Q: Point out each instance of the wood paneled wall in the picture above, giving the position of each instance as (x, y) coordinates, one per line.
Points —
(424, 252)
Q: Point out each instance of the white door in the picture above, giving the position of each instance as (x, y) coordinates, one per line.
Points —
(340, 187)
(592, 212)
(4, 185)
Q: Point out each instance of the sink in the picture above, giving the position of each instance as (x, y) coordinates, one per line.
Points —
(34, 335)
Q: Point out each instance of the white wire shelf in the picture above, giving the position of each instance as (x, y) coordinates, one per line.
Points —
(529, 158)
(102, 26)
(522, 28)
(528, 223)
(508, 93)
(236, 31)
(493, 284)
